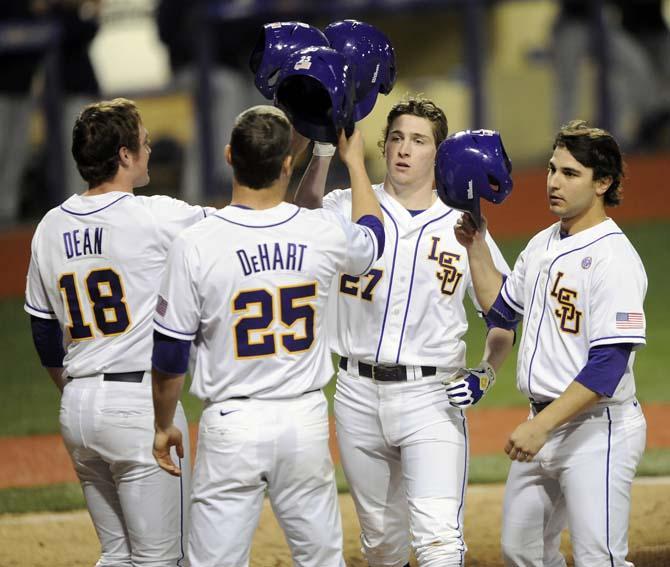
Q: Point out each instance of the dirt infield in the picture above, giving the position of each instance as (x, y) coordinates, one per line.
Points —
(68, 540)
(42, 459)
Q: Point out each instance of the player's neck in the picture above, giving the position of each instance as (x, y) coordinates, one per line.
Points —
(258, 199)
(109, 186)
(416, 198)
(583, 221)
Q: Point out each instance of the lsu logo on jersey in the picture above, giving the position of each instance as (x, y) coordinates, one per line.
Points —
(570, 318)
(448, 274)
(305, 62)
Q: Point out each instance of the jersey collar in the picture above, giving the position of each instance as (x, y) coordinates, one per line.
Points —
(258, 218)
(80, 205)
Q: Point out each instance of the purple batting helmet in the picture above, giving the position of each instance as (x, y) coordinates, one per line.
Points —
(316, 92)
(470, 165)
(275, 43)
(372, 61)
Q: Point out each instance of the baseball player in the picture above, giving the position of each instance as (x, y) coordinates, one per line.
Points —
(579, 286)
(398, 331)
(249, 286)
(92, 285)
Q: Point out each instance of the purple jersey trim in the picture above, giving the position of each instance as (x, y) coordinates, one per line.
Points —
(259, 225)
(414, 212)
(191, 333)
(97, 210)
(517, 305)
(48, 341)
(411, 281)
(388, 295)
(544, 302)
(170, 355)
(376, 226)
(641, 337)
(40, 310)
(532, 304)
(502, 314)
(605, 368)
(607, 485)
(463, 484)
(181, 519)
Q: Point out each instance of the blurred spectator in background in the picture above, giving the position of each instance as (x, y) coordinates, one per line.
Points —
(78, 21)
(233, 89)
(644, 21)
(634, 82)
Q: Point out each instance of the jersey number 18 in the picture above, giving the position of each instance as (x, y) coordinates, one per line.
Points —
(105, 293)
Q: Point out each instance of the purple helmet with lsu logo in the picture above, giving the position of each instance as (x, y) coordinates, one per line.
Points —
(275, 43)
(371, 57)
(315, 90)
(469, 165)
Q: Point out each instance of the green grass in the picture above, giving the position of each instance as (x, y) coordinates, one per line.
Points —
(483, 469)
(29, 402)
(53, 498)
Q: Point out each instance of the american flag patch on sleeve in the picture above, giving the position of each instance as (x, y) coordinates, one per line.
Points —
(629, 320)
(161, 306)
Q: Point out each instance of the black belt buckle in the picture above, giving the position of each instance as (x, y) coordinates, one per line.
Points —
(384, 373)
(133, 377)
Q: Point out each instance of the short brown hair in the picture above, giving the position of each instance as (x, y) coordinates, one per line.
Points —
(99, 132)
(596, 149)
(423, 108)
(259, 144)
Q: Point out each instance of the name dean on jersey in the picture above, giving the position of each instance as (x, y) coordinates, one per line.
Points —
(86, 242)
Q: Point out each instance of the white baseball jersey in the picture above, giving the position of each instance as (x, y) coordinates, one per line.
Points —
(575, 293)
(408, 309)
(95, 265)
(250, 287)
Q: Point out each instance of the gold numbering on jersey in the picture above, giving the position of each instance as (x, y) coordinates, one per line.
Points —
(259, 308)
(449, 274)
(351, 285)
(568, 315)
(106, 296)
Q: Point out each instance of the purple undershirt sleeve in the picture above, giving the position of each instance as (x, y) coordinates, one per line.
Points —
(376, 226)
(170, 355)
(48, 340)
(502, 315)
(605, 368)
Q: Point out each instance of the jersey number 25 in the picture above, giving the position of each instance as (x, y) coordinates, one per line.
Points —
(294, 306)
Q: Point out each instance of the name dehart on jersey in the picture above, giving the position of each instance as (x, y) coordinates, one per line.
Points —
(272, 256)
(84, 242)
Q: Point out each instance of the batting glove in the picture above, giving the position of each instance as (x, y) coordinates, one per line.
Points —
(468, 385)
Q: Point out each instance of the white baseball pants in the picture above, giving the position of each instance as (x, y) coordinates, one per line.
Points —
(405, 455)
(248, 446)
(139, 510)
(581, 479)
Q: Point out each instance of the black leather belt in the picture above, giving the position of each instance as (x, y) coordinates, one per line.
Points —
(386, 372)
(263, 399)
(538, 406)
(124, 376)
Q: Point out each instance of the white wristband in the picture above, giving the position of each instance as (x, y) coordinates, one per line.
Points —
(322, 149)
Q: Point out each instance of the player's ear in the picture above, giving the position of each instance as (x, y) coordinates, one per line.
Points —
(125, 156)
(227, 153)
(602, 185)
(287, 165)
